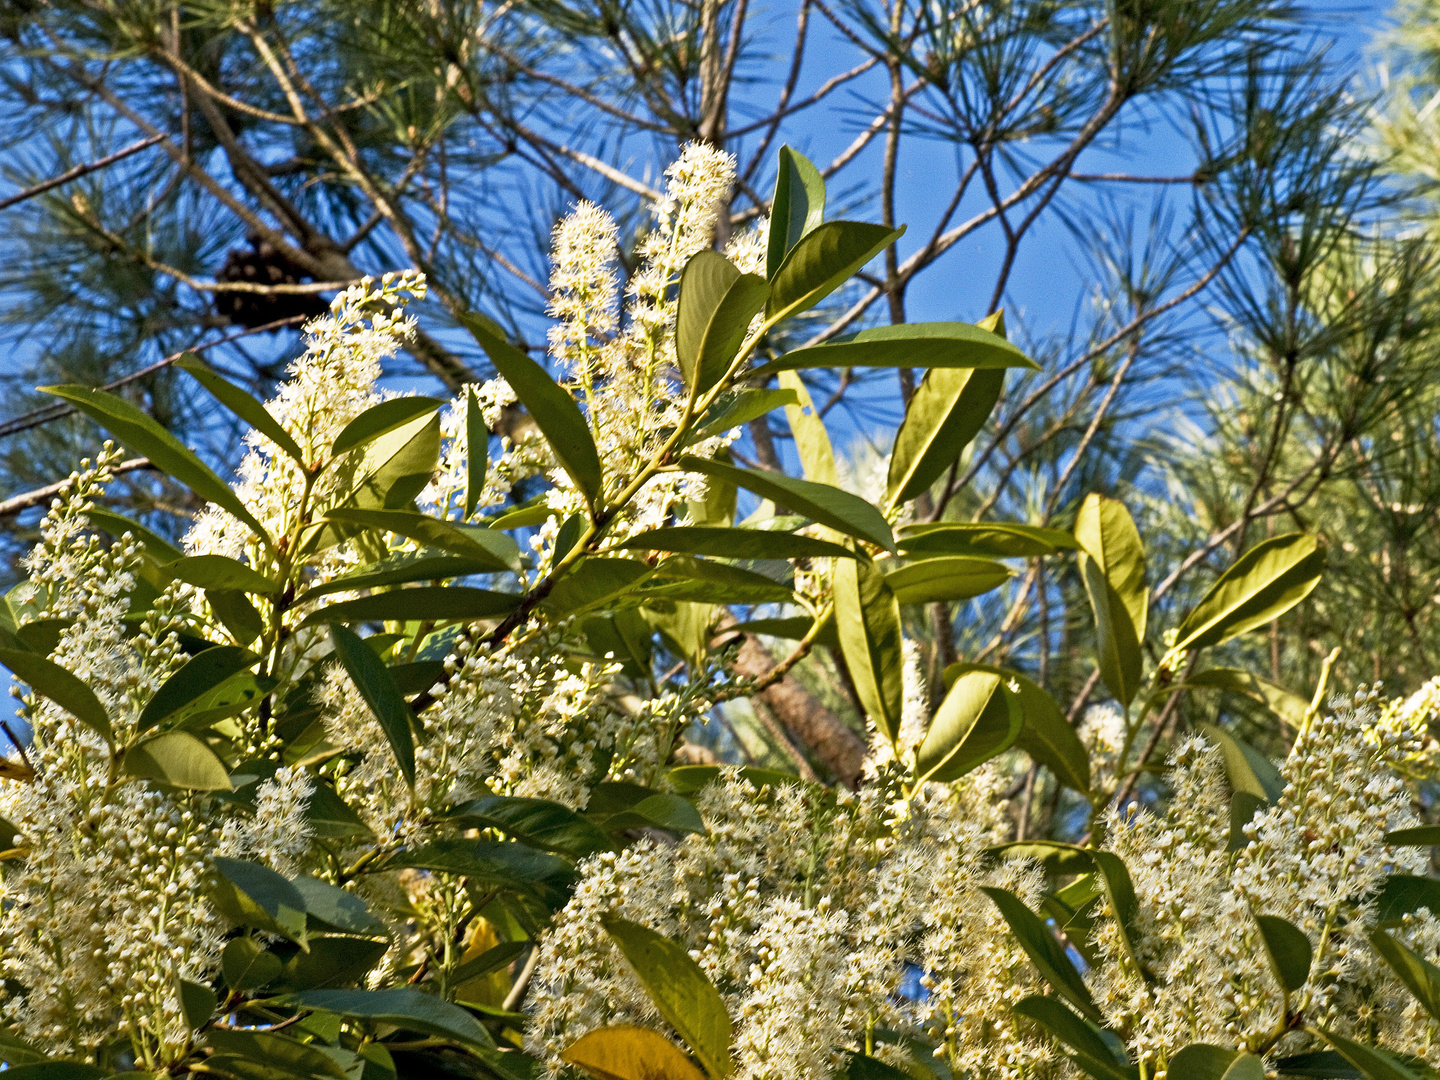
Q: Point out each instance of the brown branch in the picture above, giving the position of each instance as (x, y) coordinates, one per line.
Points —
(78, 171)
(24, 501)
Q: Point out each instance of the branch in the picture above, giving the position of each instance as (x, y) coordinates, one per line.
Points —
(79, 171)
(16, 503)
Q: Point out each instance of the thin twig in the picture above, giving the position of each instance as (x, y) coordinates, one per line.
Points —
(16, 503)
(78, 171)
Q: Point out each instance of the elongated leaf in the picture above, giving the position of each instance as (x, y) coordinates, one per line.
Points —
(1112, 566)
(337, 908)
(247, 964)
(713, 316)
(1403, 894)
(684, 577)
(552, 408)
(1057, 858)
(1247, 769)
(595, 582)
(661, 810)
(435, 603)
(537, 822)
(156, 547)
(736, 543)
(404, 1007)
(56, 1070)
(395, 468)
(219, 572)
(1201, 1061)
(867, 618)
(735, 409)
(249, 894)
(985, 539)
(400, 570)
(1046, 735)
(945, 577)
(141, 433)
(862, 1067)
(684, 995)
(1420, 836)
(477, 453)
(179, 759)
(797, 209)
(200, 675)
(1120, 891)
(1289, 950)
(1263, 584)
(948, 410)
(1284, 704)
(978, 719)
(489, 546)
(1044, 951)
(630, 1053)
(1375, 1063)
(242, 404)
(330, 817)
(822, 503)
(377, 686)
(823, 261)
(382, 419)
(1084, 1041)
(812, 440)
(236, 613)
(496, 865)
(922, 345)
(1420, 977)
(50, 680)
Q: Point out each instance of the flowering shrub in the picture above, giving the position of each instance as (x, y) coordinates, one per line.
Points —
(375, 775)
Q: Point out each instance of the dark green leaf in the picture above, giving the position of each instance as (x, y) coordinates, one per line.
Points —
(496, 550)
(236, 613)
(431, 603)
(822, 261)
(337, 908)
(684, 577)
(178, 759)
(198, 1002)
(1263, 584)
(1420, 977)
(331, 960)
(978, 719)
(1243, 808)
(944, 578)
(141, 433)
(477, 453)
(1403, 894)
(1044, 951)
(1120, 891)
(1420, 836)
(199, 676)
(1112, 567)
(1247, 769)
(382, 419)
(953, 345)
(16, 1051)
(552, 408)
(736, 543)
(376, 685)
(330, 818)
(1046, 735)
(986, 539)
(867, 620)
(156, 546)
(712, 316)
(571, 529)
(249, 894)
(242, 404)
(276, 1048)
(738, 408)
(797, 209)
(1059, 859)
(659, 811)
(1201, 1061)
(55, 1070)
(686, 998)
(1375, 1063)
(50, 680)
(595, 582)
(401, 570)
(822, 503)
(537, 822)
(1319, 1064)
(490, 960)
(247, 964)
(1289, 950)
(1084, 1040)
(869, 1068)
(496, 865)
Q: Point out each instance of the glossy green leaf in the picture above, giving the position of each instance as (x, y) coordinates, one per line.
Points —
(156, 546)
(1289, 950)
(404, 1007)
(1263, 584)
(178, 759)
(236, 613)
(1046, 735)
(338, 908)
(395, 468)
(984, 539)
(433, 603)
(42, 636)
(141, 433)
(623, 1052)
(1288, 706)
(249, 894)
(861, 1067)
(247, 964)
(491, 547)
(496, 865)
(797, 208)
(1058, 858)
(197, 1002)
(538, 822)
(500, 956)
(1247, 769)
(243, 404)
(823, 261)
(954, 345)
(382, 419)
(330, 817)
(948, 410)
(661, 810)
(1317, 1064)
(945, 578)
(867, 619)
(1085, 1042)
(198, 677)
(377, 686)
(55, 1070)
(1419, 836)
(50, 680)
(1420, 977)
(477, 453)
(594, 582)
(1375, 1063)
(550, 405)
(684, 577)
(685, 997)
(712, 316)
(219, 572)
(1112, 567)
(1044, 951)
(978, 719)
(738, 408)
(735, 543)
(1403, 894)
(822, 503)
(401, 570)
(1120, 891)
(1201, 1061)
(331, 960)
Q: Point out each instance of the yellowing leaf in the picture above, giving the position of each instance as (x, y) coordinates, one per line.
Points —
(630, 1053)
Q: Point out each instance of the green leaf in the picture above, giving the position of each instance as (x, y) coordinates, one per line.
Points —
(16, 1051)
(688, 779)
(498, 865)
(249, 894)
(661, 810)
(242, 404)
(198, 1002)
(1059, 859)
(178, 759)
(1044, 951)
(477, 453)
(490, 960)
(797, 209)
(1046, 735)
(331, 818)
(396, 466)
(219, 572)
(686, 998)
(945, 578)
(1120, 891)
(1201, 1061)
(954, 345)
(141, 433)
(1420, 977)
(684, 577)
(1420, 836)
(382, 419)
(400, 570)
(198, 677)
(862, 1067)
(50, 680)
(1403, 894)
(735, 543)
(978, 719)
(739, 407)
(247, 964)
(622, 1052)
(404, 1007)
(552, 408)
(823, 261)
(331, 960)
(1112, 566)
(1320, 1064)
(1375, 1063)
(712, 316)
(1243, 808)
(594, 582)
(337, 908)
(822, 503)
(987, 539)
(1247, 769)
(867, 619)
(236, 613)
(812, 440)
(432, 603)
(157, 547)
(1289, 950)
(377, 686)
(1086, 1042)
(949, 408)
(1288, 706)
(537, 822)
(55, 1070)
(494, 549)
(1263, 584)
